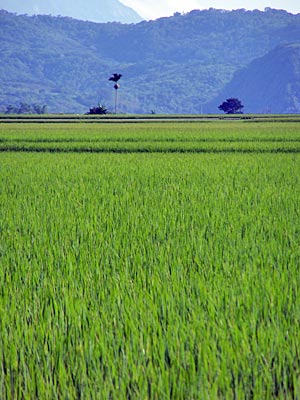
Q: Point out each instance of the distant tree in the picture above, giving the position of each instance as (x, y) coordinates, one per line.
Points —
(10, 109)
(115, 78)
(25, 108)
(101, 109)
(232, 106)
(39, 109)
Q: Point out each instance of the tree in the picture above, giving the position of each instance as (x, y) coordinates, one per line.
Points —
(115, 78)
(39, 109)
(101, 109)
(231, 106)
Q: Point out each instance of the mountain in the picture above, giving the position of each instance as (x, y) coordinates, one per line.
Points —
(170, 65)
(93, 10)
(270, 84)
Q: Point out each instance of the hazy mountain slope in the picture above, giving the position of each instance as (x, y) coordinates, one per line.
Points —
(171, 65)
(93, 10)
(270, 84)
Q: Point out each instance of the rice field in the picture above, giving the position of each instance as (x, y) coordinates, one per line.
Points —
(150, 261)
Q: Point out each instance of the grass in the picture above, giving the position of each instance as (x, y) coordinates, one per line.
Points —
(149, 275)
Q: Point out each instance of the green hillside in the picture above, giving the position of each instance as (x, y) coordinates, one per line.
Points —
(171, 65)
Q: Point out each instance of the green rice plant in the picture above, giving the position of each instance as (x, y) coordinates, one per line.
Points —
(169, 137)
(150, 275)
(231, 131)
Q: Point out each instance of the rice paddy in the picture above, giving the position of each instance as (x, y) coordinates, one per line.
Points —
(150, 261)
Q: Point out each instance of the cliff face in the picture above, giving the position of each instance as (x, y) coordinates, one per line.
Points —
(270, 84)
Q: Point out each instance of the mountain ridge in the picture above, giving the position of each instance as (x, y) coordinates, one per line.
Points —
(94, 10)
(170, 65)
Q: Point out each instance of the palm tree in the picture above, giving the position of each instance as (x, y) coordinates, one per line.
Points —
(115, 78)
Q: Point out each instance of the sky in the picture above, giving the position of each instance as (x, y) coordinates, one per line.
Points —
(152, 9)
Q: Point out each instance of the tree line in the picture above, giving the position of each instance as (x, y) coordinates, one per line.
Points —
(25, 108)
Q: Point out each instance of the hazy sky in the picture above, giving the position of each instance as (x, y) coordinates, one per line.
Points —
(151, 9)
